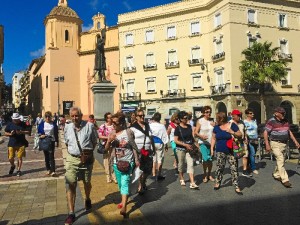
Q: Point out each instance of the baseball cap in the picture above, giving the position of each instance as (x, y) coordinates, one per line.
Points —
(280, 110)
(236, 112)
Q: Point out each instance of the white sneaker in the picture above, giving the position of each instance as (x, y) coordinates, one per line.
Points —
(193, 186)
(255, 172)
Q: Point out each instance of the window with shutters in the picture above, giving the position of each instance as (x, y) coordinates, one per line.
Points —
(217, 21)
(219, 77)
(173, 84)
(195, 28)
(129, 39)
(150, 59)
(129, 62)
(151, 86)
(287, 79)
(149, 36)
(171, 32)
(283, 46)
(196, 81)
(218, 46)
(130, 87)
(172, 57)
(282, 20)
(195, 53)
(252, 19)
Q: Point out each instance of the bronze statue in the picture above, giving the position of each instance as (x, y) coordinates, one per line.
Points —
(100, 62)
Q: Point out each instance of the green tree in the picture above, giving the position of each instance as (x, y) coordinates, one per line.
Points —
(260, 67)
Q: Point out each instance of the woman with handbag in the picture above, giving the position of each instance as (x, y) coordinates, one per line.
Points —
(184, 139)
(204, 130)
(124, 156)
(48, 133)
(104, 131)
(222, 134)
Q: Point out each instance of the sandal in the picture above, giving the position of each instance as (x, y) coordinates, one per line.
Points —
(211, 178)
(205, 180)
(217, 187)
(193, 186)
(182, 183)
(120, 205)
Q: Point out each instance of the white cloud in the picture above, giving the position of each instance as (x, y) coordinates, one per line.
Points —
(126, 4)
(38, 52)
(94, 3)
(87, 28)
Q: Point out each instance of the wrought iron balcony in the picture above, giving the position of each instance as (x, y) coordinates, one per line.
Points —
(173, 94)
(132, 96)
(285, 56)
(219, 89)
(195, 62)
(131, 69)
(218, 56)
(174, 64)
(150, 67)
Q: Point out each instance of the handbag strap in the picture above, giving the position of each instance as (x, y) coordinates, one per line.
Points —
(78, 143)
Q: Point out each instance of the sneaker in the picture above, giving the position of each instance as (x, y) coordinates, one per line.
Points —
(70, 219)
(246, 173)
(193, 186)
(19, 173)
(255, 172)
(287, 184)
(11, 171)
(160, 177)
(88, 204)
(53, 174)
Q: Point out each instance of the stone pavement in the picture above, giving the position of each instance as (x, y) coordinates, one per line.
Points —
(37, 199)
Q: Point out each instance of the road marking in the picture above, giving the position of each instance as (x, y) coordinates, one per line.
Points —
(106, 196)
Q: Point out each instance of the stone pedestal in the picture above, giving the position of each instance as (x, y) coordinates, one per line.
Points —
(103, 99)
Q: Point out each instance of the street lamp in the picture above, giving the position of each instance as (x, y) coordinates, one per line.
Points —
(58, 79)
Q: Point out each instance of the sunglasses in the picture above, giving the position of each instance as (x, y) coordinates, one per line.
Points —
(208, 112)
(141, 115)
(185, 117)
(251, 113)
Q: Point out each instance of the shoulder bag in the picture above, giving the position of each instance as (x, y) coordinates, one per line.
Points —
(85, 158)
(45, 144)
(194, 152)
(238, 149)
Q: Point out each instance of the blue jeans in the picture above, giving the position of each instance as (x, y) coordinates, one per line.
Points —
(252, 150)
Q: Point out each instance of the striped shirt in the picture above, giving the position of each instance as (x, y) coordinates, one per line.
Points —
(278, 130)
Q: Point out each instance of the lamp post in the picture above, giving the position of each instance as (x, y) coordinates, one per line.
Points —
(58, 79)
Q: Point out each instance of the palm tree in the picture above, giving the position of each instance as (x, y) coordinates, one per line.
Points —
(260, 67)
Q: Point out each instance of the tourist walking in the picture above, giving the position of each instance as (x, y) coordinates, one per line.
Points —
(17, 143)
(124, 156)
(49, 130)
(222, 133)
(160, 139)
(103, 133)
(277, 129)
(171, 129)
(141, 131)
(252, 137)
(203, 131)
(183, 137)
(81, 139)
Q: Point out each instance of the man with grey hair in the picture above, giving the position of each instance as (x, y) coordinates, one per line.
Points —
(81, 139)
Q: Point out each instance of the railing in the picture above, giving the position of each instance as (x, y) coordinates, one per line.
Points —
(129, 69)
(133, 96)
(150, 67)
(218, 56)
(219, 89)
(194, 62)
(173, 94)
(285, 56)
(172, 64)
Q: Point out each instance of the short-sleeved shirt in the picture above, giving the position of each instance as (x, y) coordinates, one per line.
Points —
(222, 137)
(278, 130)
(186, 135)
(123, 149)
(16, 140)
(251, 129)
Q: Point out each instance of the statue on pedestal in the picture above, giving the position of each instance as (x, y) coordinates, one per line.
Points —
(100, 62)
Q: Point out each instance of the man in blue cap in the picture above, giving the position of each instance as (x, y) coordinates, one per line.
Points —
(278, 131)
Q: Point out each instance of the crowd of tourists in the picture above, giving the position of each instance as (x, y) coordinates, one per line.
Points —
(134, 147)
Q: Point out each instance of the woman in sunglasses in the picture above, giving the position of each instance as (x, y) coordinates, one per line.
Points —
(183, 137)
(204, 130)
(48, 129)
(141, 130)
(121, 141)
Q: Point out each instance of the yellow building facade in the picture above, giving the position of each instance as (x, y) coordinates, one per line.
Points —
(185, 55)
(64, 75)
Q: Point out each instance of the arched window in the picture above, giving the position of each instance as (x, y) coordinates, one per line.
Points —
(66, 36)
(98, 25)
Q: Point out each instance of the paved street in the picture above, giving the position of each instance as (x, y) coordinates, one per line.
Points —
(37, 199)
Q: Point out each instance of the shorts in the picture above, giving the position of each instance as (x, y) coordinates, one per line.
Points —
(20, 152)
(159, 155)
(75, 172)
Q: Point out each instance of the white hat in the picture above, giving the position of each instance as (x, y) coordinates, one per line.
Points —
(16, 116)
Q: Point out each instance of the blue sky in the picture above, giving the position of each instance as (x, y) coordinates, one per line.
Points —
(24, 31)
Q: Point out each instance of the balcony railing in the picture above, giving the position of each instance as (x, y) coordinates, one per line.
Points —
(218, 56)
(195, 62)
(173, 94)
(172, 65)
(132, 96)
(129, 69)
(150, 67)
(285, 56)
(219, 89)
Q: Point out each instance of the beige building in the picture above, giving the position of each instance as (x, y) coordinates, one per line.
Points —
(16, 87)
(187, 54)
(64, 75)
